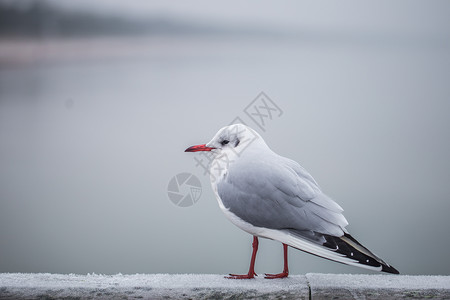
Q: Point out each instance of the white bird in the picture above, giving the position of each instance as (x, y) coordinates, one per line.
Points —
(273, 197)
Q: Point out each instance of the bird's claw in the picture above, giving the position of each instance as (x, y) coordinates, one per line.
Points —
(274, 276)
(244, 276)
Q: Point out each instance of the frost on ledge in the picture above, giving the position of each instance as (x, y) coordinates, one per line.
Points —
(201, 286)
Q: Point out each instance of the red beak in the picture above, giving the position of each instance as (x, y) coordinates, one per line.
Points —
(199, 148)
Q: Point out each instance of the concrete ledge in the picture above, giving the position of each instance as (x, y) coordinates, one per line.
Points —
(151, 286)
(344, 286)
(198, 286)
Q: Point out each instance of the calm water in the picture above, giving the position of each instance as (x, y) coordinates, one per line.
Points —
(92, 132)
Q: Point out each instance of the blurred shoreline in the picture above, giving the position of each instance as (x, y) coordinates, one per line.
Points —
(39, 51)
(31, 52)
(22, 52)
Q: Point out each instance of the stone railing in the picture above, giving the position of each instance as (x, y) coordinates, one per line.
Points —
(198, 286)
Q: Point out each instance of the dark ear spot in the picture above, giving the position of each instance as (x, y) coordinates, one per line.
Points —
(237, 143)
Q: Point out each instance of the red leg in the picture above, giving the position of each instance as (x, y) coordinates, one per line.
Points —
(251, 270)
(285, 272)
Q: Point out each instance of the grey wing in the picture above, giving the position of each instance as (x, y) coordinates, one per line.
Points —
(280, 195)
(319, 198)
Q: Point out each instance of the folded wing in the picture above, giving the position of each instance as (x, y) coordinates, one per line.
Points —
(284, 197)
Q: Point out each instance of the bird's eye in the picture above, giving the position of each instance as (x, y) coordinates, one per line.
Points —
(224, 142)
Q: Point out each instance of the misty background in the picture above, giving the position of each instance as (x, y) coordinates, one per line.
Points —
(98, 101)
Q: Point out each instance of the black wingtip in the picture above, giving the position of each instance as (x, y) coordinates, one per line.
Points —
(351, 248)
(389, 269)
(384, 266)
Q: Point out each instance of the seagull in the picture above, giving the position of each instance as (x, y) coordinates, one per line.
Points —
(273, 197)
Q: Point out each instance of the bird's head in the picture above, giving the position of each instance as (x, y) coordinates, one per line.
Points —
(233, 137)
